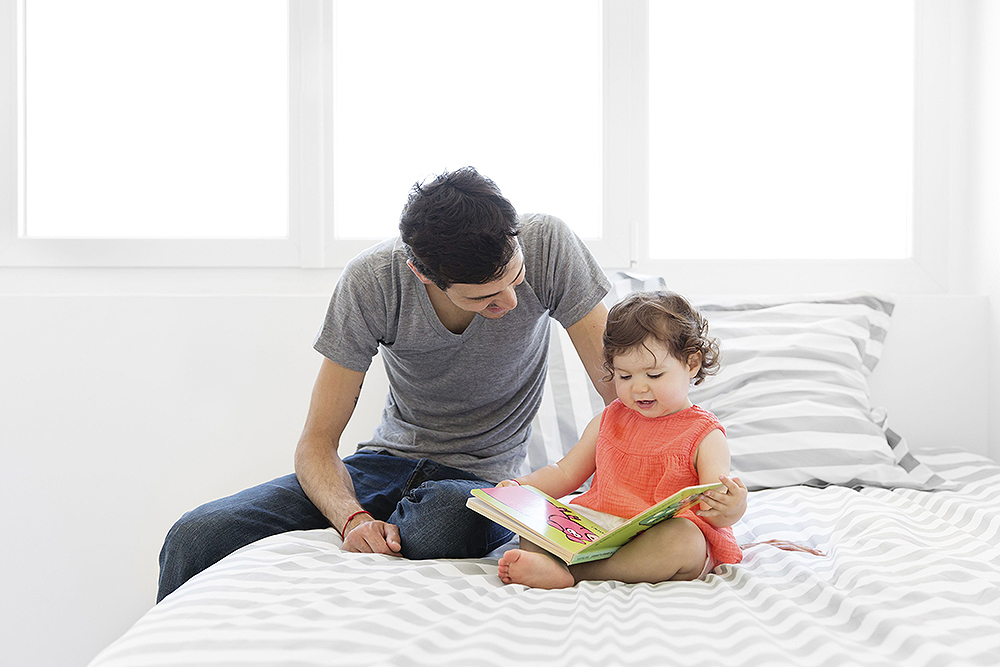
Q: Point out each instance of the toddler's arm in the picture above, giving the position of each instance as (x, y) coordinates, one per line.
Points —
(719, 508)
(559, 479)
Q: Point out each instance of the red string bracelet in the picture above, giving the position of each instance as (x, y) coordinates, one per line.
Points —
(350, 518)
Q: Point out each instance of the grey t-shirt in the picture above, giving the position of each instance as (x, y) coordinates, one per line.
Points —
(464, 400)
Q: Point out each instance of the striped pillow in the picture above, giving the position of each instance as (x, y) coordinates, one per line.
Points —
(793, 393)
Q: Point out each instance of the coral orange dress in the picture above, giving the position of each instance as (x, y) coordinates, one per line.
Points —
(642, 460)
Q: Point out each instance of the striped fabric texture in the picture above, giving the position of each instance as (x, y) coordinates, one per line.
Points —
(908, 578)
(792, 393)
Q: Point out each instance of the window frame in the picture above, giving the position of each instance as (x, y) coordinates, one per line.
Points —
(937, 115)
(297, 249)
(611, 249)
(311, 242)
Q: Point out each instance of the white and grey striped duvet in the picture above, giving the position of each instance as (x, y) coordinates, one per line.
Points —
(911, 578)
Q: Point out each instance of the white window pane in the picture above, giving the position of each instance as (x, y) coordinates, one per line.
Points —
(781, 128)
(511, 88)
(157, 119)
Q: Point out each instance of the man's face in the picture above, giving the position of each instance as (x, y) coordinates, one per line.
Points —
(494, 299)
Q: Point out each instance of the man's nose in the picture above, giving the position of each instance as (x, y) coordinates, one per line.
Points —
(507, 299)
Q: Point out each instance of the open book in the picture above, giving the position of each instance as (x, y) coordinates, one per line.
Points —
(561, 530)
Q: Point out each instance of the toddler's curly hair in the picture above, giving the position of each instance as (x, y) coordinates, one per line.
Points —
(666, 317)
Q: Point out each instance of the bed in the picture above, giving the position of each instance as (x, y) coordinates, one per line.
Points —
(909, 572)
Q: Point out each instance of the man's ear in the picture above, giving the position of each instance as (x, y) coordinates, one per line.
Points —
(421, 277)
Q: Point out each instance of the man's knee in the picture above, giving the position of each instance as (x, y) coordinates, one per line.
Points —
(192, 535)
(211, 532)
(187, 549)
(434, 522)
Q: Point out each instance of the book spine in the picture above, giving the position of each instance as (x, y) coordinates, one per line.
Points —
(597, 554)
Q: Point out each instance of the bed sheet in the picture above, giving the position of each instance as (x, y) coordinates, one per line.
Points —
(909, 578)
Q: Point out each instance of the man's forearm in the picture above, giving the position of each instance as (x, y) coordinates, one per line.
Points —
(320, 471)
(326, 481)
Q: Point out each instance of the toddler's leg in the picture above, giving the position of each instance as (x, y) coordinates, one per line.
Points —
(673, 550)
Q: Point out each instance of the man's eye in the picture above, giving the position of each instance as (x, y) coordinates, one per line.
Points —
(624, 377)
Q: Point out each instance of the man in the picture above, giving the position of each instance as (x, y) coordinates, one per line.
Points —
(459, 306)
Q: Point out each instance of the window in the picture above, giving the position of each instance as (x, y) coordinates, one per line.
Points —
(512, 88)
(141, 134)
(155, 120)
(781, 128)
(288, 134)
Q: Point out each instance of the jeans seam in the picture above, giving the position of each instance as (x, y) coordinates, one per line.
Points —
(410, 483)
(423, 471)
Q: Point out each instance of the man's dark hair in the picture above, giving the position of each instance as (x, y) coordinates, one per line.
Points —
(458, 228)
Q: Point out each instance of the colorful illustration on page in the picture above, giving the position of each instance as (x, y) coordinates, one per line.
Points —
(569, 523)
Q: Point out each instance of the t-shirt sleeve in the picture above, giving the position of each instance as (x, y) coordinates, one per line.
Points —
(567, 278)
(355, 319)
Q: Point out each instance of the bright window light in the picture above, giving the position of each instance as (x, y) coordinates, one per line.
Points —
(156, 119)
(512, 88)
(781, 128)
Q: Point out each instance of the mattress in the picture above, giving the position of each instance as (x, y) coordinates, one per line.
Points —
(909, 577)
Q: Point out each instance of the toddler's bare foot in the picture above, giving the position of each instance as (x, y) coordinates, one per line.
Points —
(533, 569)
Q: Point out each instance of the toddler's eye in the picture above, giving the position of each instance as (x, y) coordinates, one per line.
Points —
(624, 377)
(654, 376)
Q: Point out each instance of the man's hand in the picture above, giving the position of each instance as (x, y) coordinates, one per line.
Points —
(369, 536)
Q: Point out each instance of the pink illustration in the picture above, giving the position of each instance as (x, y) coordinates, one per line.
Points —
(567, 522)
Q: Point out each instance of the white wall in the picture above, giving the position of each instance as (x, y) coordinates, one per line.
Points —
(983, 268)
(118, 412)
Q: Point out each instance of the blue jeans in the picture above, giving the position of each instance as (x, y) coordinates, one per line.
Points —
(426, 500)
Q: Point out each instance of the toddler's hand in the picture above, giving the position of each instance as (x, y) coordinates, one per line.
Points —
(726, 507)
(508, 482)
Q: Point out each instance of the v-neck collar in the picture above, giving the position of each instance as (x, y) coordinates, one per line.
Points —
(435, 321)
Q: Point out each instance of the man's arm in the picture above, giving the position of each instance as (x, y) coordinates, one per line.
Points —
(322, 474)
(588, 339)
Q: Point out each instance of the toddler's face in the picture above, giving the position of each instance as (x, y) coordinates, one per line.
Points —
(651, 381)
